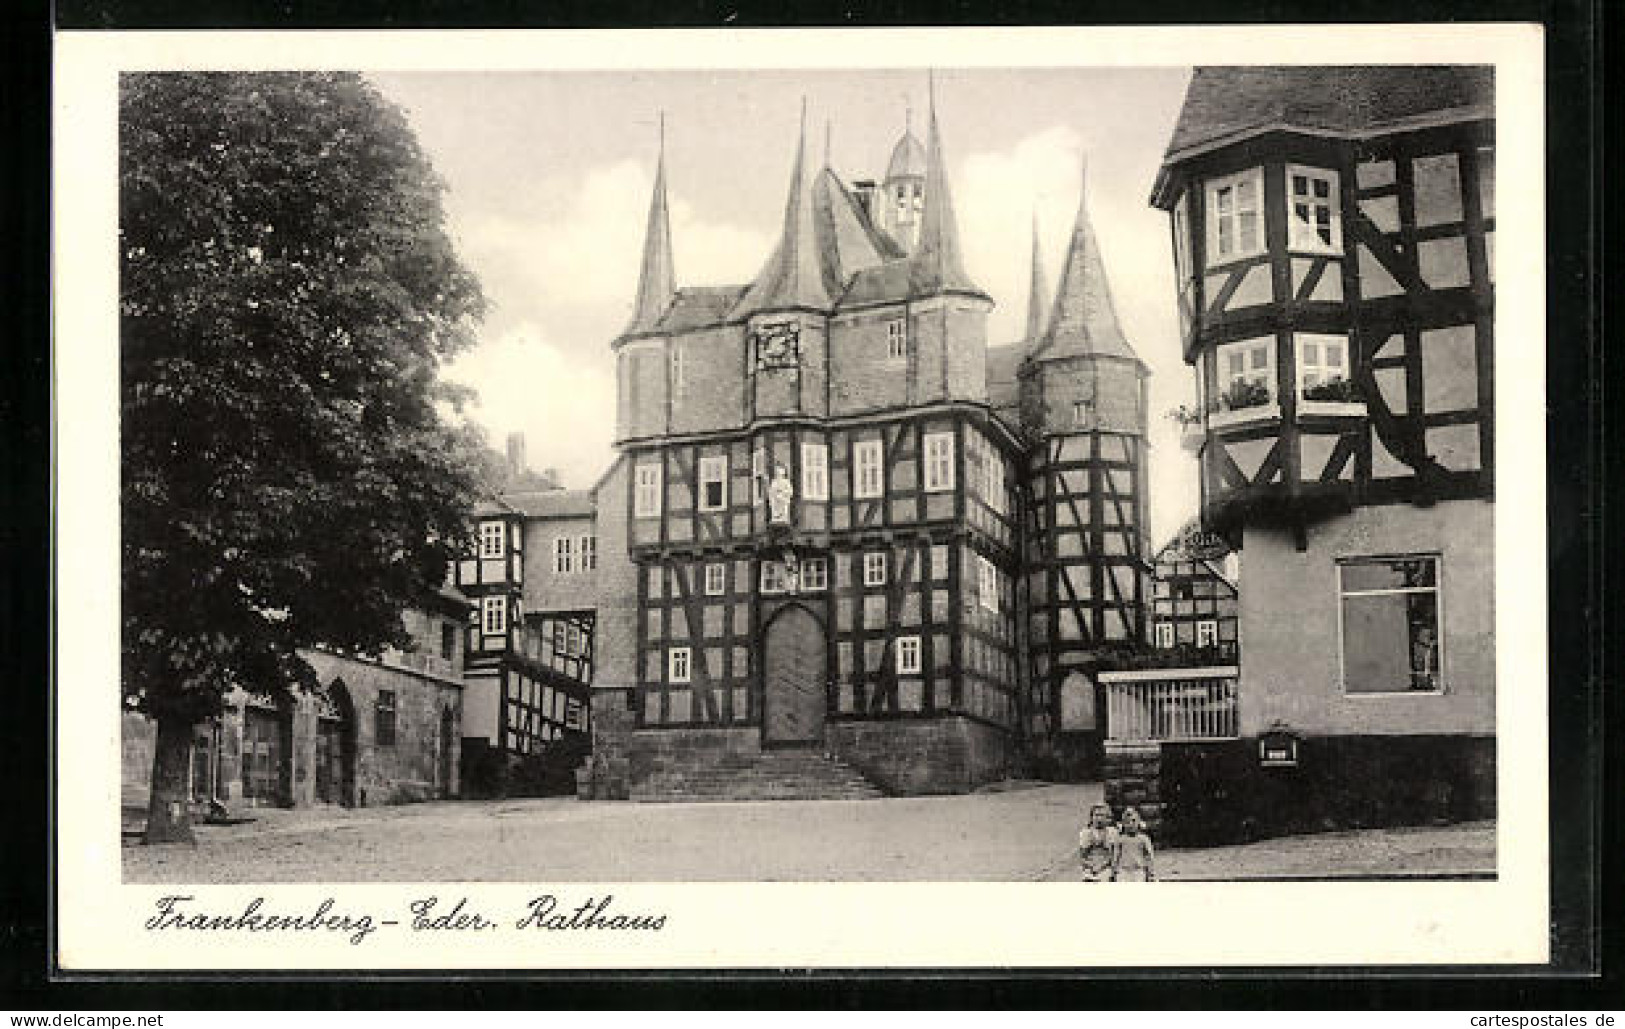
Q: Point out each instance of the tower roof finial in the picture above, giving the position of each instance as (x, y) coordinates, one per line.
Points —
(829, 132)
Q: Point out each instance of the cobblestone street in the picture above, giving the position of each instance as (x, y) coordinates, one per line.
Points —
(1014, 835)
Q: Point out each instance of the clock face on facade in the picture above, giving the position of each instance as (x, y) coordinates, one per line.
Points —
(778, 344)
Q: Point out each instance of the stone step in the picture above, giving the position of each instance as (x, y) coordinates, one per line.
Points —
(767, 775)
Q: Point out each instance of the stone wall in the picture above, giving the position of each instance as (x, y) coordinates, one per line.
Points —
(1211, 794)
(608, 772)
(415, 767)
(907, 756)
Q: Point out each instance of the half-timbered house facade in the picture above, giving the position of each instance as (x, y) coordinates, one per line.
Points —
(1333, 231)
(853, 528)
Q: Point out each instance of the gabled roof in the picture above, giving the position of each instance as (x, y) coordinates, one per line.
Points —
(552, 503)
(847, 240)
(656, 273)
(1225, 102)
(487, 507)
(1083, 320)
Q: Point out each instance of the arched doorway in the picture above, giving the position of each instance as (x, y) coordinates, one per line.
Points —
(335, 746)
(448, 738)
(794, 678)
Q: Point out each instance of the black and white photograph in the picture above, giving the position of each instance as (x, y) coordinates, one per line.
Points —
(885, 470)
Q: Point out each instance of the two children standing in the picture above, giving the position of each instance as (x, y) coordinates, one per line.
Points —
(1112, 853)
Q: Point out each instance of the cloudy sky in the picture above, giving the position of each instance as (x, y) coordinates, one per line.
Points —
(549, 177)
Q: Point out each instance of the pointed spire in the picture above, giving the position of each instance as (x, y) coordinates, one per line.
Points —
(656, 276)
(793, 275)
(1084, 319)
(936, 266)
(1038, 292)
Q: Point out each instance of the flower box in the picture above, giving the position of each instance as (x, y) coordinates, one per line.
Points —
(1240, 416)
(1331, 408)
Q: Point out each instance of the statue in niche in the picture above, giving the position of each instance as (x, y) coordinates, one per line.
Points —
(792, 571)
(779, 494)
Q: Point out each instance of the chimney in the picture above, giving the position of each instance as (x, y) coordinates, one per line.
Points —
(865, 189)
(516, 453)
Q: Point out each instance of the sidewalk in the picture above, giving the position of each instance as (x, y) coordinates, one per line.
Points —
(1464, 851)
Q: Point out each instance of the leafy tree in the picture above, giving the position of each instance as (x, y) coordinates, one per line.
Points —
(294, 471)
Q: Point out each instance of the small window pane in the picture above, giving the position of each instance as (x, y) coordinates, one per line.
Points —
(1397, 573)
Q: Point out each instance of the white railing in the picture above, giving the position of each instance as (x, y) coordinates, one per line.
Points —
(1162, 704)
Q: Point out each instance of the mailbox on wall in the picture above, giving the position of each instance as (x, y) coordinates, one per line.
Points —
(1278, 747)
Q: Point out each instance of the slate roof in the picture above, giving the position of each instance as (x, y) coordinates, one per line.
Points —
(697, 306)
(797, 273)
(552, 503)
(1083, 319)
(656, 275)
(1221, 102)
(1002, 385)
(907, 158)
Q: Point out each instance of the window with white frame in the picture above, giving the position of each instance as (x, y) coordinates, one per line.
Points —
(993, 476)
(814, 574)
(713, 483)
(1165, 635)
(1321, 359)
(814, 471)
(897, 339)
(1313, 205)
(494, 615)
(1235, 222)
(492, 536)
(1083, 413)
(716, 579)
(1207, 633)
(677, 367)
(868, 477)
(987, 576)
(677, 669)
(773, 578)
(589, 553)
(1245, 365)
(908, 655)
(874, 569)
(1182, 239)
(563, 555)
(939, 461)
(646, 493)
(1390, 624)
(758, 473)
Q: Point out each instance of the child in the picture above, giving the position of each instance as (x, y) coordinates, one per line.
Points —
(1134, 862)
(1097, 844)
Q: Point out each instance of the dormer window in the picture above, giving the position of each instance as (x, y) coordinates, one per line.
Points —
(1315, 225)
(1235, 224)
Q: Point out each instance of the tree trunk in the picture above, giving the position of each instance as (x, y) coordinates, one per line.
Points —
(169, 814)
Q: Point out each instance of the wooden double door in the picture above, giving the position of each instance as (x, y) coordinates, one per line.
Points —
(795, 678)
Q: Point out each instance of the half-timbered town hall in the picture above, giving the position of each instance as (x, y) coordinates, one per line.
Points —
(847, 544)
